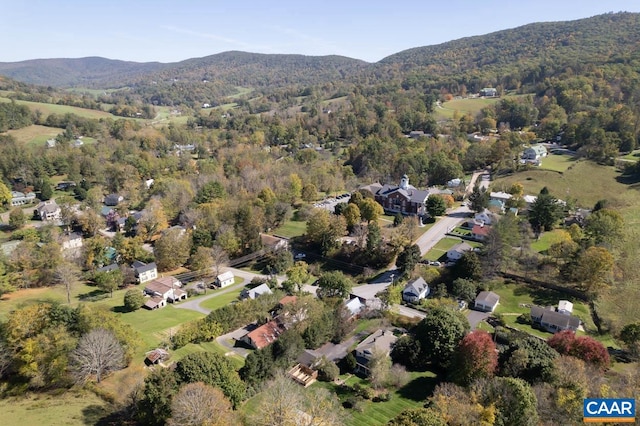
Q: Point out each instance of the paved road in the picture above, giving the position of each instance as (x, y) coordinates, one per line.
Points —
(441, 227)
(406, 311)
(194, 304)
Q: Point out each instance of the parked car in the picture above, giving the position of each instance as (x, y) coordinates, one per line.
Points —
(299, 256)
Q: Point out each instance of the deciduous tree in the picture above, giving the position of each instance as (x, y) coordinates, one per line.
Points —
(439, 334)
(334, 284)
(108, 281)
(133, 300)
(172, 249)
(585, 348)
(475, 357)
(98, 353)
(198, 404)
(17, 218)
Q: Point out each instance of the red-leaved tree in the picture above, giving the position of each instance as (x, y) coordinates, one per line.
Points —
(475, 357)
(585, 348)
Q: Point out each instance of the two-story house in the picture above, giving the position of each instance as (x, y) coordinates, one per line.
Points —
(144, 272)
(380, 341)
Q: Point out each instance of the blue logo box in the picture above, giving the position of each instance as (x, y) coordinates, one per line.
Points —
(603, 410)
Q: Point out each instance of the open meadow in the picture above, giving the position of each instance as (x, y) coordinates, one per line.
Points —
(47, 109)
(471, 106)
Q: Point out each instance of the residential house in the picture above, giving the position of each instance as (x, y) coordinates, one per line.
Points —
(108, 268)
(480, 231)
(65, 185)
(113, 199)
(21, 198)
(485, 217)
(455, 253)
(304, 372)
(454, 183)
(486, 301)
(380, 341)
(274, 243)
(403, 198)
(415, 290)
(225, 279)
(51, 143)
(534, 153)
(168, 288)
(77, 143)
(264, 335)
(552, 321)
(529, 200)
(354, 305)
(489, 92)
(71, 240)
(145, 272)
(565, 307)
(415, 134)
(48, 210)
(255, 292)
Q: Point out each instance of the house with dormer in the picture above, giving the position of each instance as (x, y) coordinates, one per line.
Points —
(415, 290)
(379, 342)
(48, 210)
(404, 198)
(144, 271)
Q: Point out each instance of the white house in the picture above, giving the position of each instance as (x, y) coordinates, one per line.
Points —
(455, 253)
(534, 152)
(355, 306)
(486, 301)
(225, 279)
(255, 292)
(145, 272)
(485, 217)
(167, 288)
(565, 307)
(71, 241)
(379, 342)
(415, 290)
(20, 198)
(48, 210)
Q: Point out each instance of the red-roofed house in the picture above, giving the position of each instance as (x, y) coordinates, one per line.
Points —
(480, 232)
(264, 335)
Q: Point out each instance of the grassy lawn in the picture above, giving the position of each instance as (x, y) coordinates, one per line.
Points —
(439, 251)
(558, 163)
(291, 228)
(69, 408)
(214, 346)
(48, 109)
(546, 240)
(632, 156)
(220, 301)
(463, 106)
(35, 135)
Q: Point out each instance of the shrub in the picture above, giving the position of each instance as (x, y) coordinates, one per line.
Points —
(328, 371)
(354, 403)
(364, 391)
(382, 397)
(133, 300)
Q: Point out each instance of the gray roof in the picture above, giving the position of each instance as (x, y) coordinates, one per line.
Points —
(487, 298)
(559, 320)
(461, 248)
(108, 268)
(411, 193)
(112, 199)
(255, 292)
(308, 357)
(416, 286)
(381, 340)
(141, 267)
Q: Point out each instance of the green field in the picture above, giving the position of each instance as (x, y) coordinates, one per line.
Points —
(463, 106)
(291, 228)
(70, 408)
(546, 240)
(439, 251)
(48, 109)
(35, 135)
(222, 300)
(558, 162)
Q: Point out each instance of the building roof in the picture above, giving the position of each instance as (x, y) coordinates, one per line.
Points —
(539, 149)
(308, 357)
(461, 247)
(504, 196)
(72, 236)
(157, 355)
(354, 305)
(270, 240)
(565, 305)
(47, 207)
(153, 302)
(380, 340)
(487, 298)
(481, 230)
(141, 267)
(417, 286)
(288, 299)
(256, 291)
(169, 281)
(265, 334)
(557, 319)
(225, 276)
(112, 199)
(108, 268)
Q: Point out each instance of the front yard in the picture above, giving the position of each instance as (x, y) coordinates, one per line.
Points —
(439, 251)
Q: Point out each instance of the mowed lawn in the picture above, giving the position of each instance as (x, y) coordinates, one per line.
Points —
(585, 182)
(439, 251)
(69, 409)
(546, 240)
(291, 229)
(558, 162)
(35, 134)
(472, 106)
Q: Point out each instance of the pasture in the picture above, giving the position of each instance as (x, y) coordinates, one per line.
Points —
(558, 162)
(471, 106)
(48, 109)
(34, 135)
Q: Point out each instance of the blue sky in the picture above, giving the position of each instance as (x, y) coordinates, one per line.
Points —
(173, 30)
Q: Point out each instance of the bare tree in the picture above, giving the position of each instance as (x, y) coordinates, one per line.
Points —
(67, 274)
(220, 258)
(379, 368)
(198, 404)
(98, 353)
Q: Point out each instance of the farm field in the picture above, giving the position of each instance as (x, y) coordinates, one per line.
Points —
(35, 134)
(48, 109)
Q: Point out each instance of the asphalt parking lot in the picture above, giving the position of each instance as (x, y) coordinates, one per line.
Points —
(330, 203)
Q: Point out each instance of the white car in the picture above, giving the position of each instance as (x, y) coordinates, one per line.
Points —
(299, 256)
